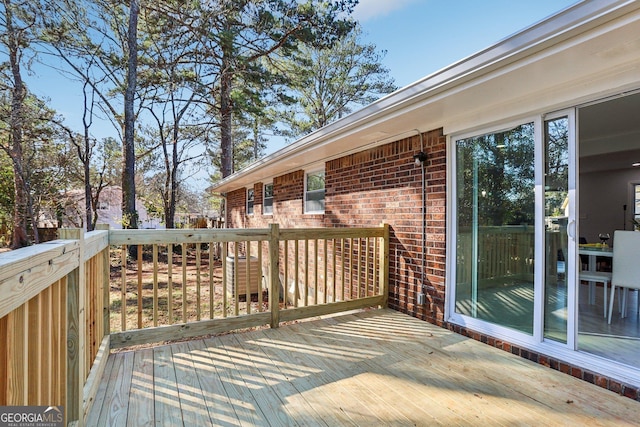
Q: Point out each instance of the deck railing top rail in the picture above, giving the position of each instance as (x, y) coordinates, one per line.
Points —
(159, 237)
(26, 272)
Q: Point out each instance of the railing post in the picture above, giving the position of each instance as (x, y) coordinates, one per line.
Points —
(106, 314)
(75, 331)
(274, 274)
(384, 266)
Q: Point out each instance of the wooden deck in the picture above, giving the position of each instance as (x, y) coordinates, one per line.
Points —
(376, 367)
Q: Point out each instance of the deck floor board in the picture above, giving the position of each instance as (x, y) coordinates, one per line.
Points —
(376, 367)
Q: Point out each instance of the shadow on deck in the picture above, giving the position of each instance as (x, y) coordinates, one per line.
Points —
(377, 367)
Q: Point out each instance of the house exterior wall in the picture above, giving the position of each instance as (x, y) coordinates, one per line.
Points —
(365, 189)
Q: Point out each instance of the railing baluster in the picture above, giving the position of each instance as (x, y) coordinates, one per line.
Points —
(155, 285)
(260, 275)
(211, 285)
(374, 279)
(236, 276)
(326, 275)
(198, 281)
(333, 271)
(184, 283)
(366, 267)
(316, 262)
(297, 273)
(225, 279)
(342, 267)
(139, 287)
(170, 282)
(248, 284)
(123, 290)
(306, 272)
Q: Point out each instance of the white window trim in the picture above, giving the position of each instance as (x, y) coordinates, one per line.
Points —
(306, 176)
(253, 206)
(264, 197)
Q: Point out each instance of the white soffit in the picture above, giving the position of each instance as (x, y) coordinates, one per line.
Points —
(589, 49)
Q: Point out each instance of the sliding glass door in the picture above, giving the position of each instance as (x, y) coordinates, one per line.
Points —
(513, 218)
(495, 240)
(558, 223)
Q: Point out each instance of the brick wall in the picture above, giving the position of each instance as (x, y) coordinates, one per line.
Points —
(365, 189)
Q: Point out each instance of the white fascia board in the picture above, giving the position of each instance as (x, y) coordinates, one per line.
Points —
(363, 128)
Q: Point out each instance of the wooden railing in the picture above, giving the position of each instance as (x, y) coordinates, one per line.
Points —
(65, 304)
(502, 252)
(53, 325)
(185, 283)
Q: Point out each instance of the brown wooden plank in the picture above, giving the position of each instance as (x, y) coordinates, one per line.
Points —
(4, 369)
(192, 402)
(139, 296)
(123, 288)
(102, 400)
(116, 403)
(155, 285)
(286, 382)
(46, 395)
(94, 379)
(34, 353)
(235, 388)
(35, 277)
(322, 371)
(437, 392)
(198, 283)
(167, 406)
(170, 282)
(183, 255)
(211, 282)
(270, 406)
(220, 406)
(343, 368)
(181, 331)
(16, 382)
(178, 236)
(141, 397)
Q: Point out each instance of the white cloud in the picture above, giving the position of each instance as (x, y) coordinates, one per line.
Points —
(369, 9)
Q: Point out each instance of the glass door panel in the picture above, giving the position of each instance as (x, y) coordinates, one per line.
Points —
(495, 209)
(556, 204)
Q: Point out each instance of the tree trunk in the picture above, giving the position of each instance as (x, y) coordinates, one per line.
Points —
(129, 213)
(226, 107)
(87, 191)
(18, 93)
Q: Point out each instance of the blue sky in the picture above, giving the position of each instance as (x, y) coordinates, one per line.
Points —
(419, 36)
(423, 36)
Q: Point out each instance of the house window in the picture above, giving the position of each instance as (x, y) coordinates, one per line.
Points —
(314, 192)
(267, 200)
(103, 206)
(250, 199)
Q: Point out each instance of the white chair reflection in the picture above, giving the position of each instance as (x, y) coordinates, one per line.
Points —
(597, 277)
(626, 266)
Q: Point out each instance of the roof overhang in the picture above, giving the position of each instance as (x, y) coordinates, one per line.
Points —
(586, 51)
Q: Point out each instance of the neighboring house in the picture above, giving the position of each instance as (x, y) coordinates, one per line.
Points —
(488, 172)
(109, 210)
